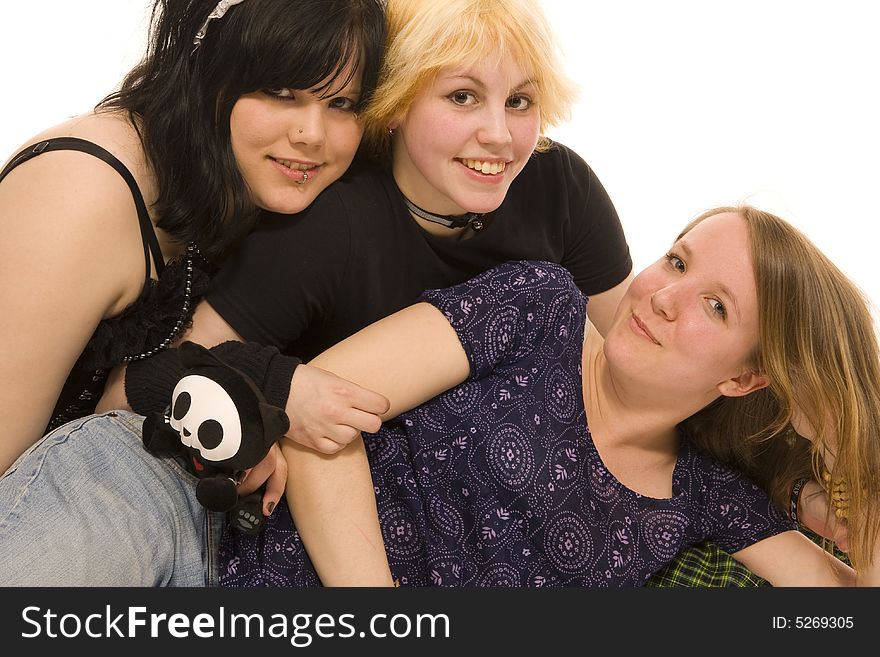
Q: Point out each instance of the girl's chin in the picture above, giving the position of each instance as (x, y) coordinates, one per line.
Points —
(481, 203)
(293, 204)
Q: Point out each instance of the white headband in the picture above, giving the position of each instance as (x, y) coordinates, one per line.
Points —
(219, 11)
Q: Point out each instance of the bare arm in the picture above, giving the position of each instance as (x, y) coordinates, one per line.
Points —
(870, 574)
(409, 358)
(813, 514)
(70, 255)
(792, 559)
(326, 412)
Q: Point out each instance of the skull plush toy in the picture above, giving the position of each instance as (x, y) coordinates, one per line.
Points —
(220, 421)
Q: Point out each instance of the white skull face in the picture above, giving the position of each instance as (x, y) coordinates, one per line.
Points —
(206, 418)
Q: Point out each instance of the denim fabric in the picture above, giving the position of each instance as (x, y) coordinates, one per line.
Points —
(88, 506)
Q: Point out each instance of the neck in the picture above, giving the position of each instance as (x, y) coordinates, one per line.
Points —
(447, 220)
(432, 210)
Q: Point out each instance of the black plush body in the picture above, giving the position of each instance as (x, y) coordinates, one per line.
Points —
(220, 421)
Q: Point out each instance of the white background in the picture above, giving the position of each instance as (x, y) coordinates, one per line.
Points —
(685, 104)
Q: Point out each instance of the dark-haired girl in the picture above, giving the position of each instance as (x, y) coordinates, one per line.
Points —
(111, 223)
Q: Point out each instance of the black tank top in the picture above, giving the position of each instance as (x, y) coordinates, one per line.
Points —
(141, 326)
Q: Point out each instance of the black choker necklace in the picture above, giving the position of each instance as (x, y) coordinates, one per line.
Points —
(472, 219)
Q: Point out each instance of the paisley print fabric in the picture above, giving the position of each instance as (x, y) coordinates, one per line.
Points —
(497, 481)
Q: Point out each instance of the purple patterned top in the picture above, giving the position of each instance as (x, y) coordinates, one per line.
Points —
(497, 481)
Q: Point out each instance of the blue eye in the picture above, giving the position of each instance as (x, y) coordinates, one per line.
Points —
(718, 308)
(676, 262)
(343, 104)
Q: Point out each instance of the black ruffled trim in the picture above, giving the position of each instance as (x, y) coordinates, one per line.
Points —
(148, 321)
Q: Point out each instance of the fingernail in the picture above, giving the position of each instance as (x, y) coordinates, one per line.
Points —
(271, 507)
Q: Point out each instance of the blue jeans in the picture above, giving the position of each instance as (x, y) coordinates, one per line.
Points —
(87, 505)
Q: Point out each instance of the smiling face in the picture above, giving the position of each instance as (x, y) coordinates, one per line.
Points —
(688, 325)
(289, 144)
(466, 137)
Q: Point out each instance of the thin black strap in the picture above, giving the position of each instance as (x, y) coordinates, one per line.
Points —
(148, 235)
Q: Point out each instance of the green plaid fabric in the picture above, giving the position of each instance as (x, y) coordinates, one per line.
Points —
(707, 565)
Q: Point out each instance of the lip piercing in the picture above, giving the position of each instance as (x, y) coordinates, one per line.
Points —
(304, 180)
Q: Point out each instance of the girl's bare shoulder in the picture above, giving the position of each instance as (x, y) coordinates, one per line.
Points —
(111, 130)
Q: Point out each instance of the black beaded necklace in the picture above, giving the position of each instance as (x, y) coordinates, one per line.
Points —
(191, 251)
(472, 219)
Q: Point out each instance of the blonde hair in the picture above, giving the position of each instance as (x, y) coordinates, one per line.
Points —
(426, 36)
(818, 345)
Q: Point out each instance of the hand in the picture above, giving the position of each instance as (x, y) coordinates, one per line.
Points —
(114, 392)
(813, 514)
(327, 412)
(273, 471)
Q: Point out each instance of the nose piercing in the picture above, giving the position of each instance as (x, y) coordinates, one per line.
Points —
(300, 131)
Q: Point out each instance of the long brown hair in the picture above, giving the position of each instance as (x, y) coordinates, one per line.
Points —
(819, 347)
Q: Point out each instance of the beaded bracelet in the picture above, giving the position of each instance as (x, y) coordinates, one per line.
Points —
(795, 498)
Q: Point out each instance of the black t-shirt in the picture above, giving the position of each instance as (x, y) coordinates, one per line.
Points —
(303, 283)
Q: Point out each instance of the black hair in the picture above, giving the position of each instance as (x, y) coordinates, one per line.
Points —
(180, 98)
